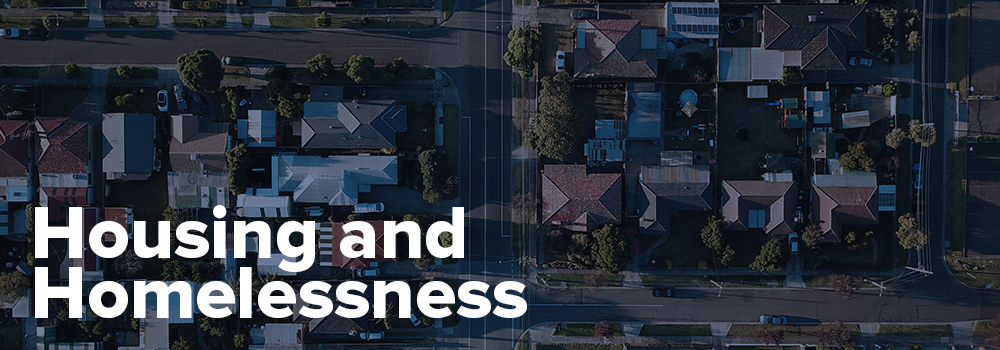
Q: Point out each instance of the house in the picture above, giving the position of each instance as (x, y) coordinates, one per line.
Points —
(839, 200)
(198, 145)
(813, 36)
(122, 216)
(129, 146)
(347, 125)
(269, 265)
(671, 188)
(286, 336)
(91, 264)
(15, 139)
(856, 119)
(194, 190)
(338, 260)
(756, 204)
(614, 48)
(248, 206)
(334, 180)
(62, 153)
(260, 129)
(691, 20)
(579, 201)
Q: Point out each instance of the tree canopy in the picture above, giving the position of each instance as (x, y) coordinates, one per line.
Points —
(924, 134)
(13, 285)
(909, 234)
(857, 158)
(237, 162)
(200, 70)
(359, 68)
(895, 137)
(812, 235)
(612, 249)
(320, 67)
(524, 50)
(769, 257)
(557, 124)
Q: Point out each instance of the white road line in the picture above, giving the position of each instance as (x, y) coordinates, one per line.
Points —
(595, 305)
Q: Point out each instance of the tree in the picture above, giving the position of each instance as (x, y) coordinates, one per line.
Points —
(889, 90)
(13, 285)
(71, 70)
(913, 18)
(711, 234)
(895, 138)
(432, 195)
(320, 67)
(812, 235)
(125, 101)
(791, 76)
(524, 50)
(200, 70)
(50, 22)
(557, 124)
(241, 341)
(833, 334)
(128, 263)
(887, 45)
(236, 162)
(429, 167)
(913, 40)
(214, 326)
(29, 220)
(921, 133)
(396, 69)
(182, 344)
(845, 285)
(174, 216)
(359, 68)
(323, 20)
(289, 108)
(857, 158)
(524, 208)
(612, 249)
(769, 257)
(603, 330)
(909, 234)
(124, 71)
(725, 260)
(445, 239)
(888, 15)
(770, 335)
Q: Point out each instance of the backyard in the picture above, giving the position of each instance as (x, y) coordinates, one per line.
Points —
(741, 159)
(144, 100)
(599, 101)
(59, 103)
(148, 198)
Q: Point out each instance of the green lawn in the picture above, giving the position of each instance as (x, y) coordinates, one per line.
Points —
(149, 73)
(293, 21)
(750, 330)
(816, 281)
(58, 103)
(958, 47)
(36, 21)
(145, 99)
(604, 102)
(987, 273)
(353, 22)
(740, 160)
(579, 347)
(247, 21)
(683, 249)
(199, 21)
(983, 329)
(580, 279)
(897, 330)
(956, 195)
(742, 38)
(405, 4)
(676, 330)
(123, 21)
(583, 330)
(702, 280)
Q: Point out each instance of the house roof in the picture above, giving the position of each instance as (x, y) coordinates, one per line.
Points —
(692, 20)
(62, 146)
(262, 128)
(284, 333)
(122, 216)
(823, 33)
(128, 142)
(334, 180)
(198, 146)
(14, 141)
(370, 124)
(582, 201)
(667, 188)
(341, 261)
(835, 206)
(197, 190)
(613, 48)
(758, 204)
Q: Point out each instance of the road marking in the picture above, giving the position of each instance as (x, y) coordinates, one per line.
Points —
(595, 305)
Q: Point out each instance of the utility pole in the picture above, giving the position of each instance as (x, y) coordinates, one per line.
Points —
(717, 285)
(881, 287)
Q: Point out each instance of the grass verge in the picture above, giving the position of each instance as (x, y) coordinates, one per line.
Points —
(200, 21)
(405, 4)
(123, 21)
(584, 330)
(676, 330)
(580, 279)
(983, 329)
(912, 330)
(705, 282)
(149, 73)
(354, 22)
(956, 195)
(580, 347)
(958, 47)
(750, 330)
(247, 21)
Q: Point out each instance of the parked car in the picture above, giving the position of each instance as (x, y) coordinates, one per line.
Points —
(232, 60)
(918, 176)
(583, 14)
(663, 292)
(162, 101)
(182, 104)
(773, 319)
(372, 335)
(560, 61)
(10, 33)
(369, 208)
(793, 242)
(859, 61)
(39, 33)
(367, 273)
(202, 105)
(413, 319)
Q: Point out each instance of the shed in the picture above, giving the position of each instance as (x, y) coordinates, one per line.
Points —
(602, 150)
(795, 121)
(757, 91)
(858, 119)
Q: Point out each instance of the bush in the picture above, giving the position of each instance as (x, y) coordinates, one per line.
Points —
(396, 69)
(50, 22)
(237, 161)
(323, 20)
(791, 76)
(612, 249)
(430, 168)
(125, 101)
(200, 70)
(359, 68)
(889, 89)
(320, 67)
(200, 5)
(132, 21)
(124, 71)
(71, 70)
(289, 108)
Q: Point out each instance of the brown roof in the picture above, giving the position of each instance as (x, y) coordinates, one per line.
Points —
(583, 201)
(834, 207)
(197, 145)
(62, 146)
(14, 142)
(741, 198)
(612, 47)
(824, 42)
(352, 263)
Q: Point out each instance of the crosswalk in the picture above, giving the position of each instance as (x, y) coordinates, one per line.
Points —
(325, 230)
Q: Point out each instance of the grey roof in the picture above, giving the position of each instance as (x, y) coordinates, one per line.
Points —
(612, 48)
(352, 124)
(198, 145)
(824, 42)
(128, 142)
(262, 128)
(667, 188)
(645, 115)
(334, 180)
(748, 203)
(691, 20)
(197, 190)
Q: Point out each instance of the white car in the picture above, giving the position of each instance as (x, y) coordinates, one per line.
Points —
(560, 61)
(859, 61)
(793, 242)
(773, 319)
(162, 100)
(10, 33)
(369, 208)
(367, 273)
(372, 335)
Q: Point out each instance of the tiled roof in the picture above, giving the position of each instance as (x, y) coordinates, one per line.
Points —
(612, 48)
(741, 198)
(197, 146)
(667, 188)
(62, 146)
(339, 260)
(571, 196)
(352, 124)
(834, 207)
(14, 142)
(824, 42)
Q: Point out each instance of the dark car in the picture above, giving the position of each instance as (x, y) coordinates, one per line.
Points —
(232, 61)
(179, 96)
(583, 14)
(663, 292)
(200, 102)
(40, 33)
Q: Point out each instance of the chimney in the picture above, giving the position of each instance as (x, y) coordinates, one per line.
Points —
(812, 18)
